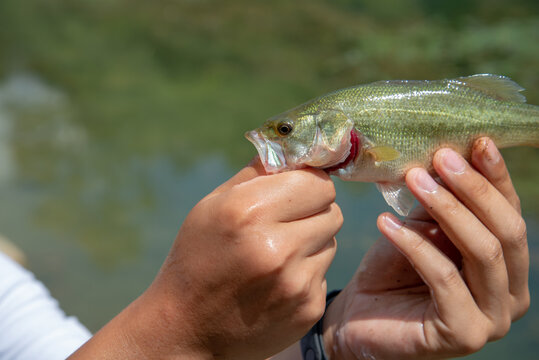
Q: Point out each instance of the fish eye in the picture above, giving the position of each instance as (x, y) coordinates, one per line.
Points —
(284, 128)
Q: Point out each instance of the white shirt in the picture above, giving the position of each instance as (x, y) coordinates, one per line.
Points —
(32, 325)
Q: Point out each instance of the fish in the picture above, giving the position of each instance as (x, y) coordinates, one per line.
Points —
(377, 132)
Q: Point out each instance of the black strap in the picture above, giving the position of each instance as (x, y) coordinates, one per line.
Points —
(312, 344)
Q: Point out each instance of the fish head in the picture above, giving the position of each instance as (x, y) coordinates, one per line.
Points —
(302, 138)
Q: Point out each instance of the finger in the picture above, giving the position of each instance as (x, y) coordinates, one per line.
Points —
(250, 171)
(286, 196)
(433, 232)
(494, 211)
(483, 199)
(308, 289)
(487, 159)
(316, 266)
(454, 302)
(320, 262)
(483, 262)
(315, 233)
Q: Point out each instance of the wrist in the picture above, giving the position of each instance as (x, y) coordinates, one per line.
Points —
(313, 344)
(331, 325)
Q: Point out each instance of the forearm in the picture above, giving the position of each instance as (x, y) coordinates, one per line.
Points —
(112, 341)
(146, 329)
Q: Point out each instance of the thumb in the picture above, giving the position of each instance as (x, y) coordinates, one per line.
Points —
(250, 171)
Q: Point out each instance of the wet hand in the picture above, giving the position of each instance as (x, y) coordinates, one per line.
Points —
(247, 270)
(448, 279)
(245, 276)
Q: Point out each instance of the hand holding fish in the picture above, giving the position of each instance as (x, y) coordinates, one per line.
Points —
(459, 276)
(244, 278)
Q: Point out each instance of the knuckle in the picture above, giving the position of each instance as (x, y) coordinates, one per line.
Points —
(301, 178)
(314, 310)
(516, 203)
(450, 276)
(501, 328)
(418, 243)
(339, 218)
(229, 216)
(295, 289)
(471, 344)
(523, 304)
(312, 179)
(235, 214)
(330, 190)
(519, 240)
(493, 254)
(264, 258)
(480, 189)
(327, 188)
(334, 248)
(468, 339)
(526, 301)
(261, 266)
(451, 205)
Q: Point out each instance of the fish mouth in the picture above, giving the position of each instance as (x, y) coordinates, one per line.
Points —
(271, 153)
(354, 151)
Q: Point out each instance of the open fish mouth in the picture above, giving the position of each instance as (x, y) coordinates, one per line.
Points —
(271, 153)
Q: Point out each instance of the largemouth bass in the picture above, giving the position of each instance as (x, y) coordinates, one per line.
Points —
(377, 132)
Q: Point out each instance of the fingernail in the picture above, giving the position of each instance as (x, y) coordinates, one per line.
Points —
(453, 162)
(393, 223)
(425, 181)
(492, 153)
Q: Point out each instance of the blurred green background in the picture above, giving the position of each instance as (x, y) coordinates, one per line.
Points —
(117, 116)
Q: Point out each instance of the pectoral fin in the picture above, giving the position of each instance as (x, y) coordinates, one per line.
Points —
(383, 153)
(397, 196)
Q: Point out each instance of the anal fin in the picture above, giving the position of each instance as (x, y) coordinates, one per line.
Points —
(397, 196)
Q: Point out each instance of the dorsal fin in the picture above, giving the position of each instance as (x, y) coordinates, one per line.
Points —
(496, 86)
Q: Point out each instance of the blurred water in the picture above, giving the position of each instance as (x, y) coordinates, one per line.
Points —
(116, 117)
